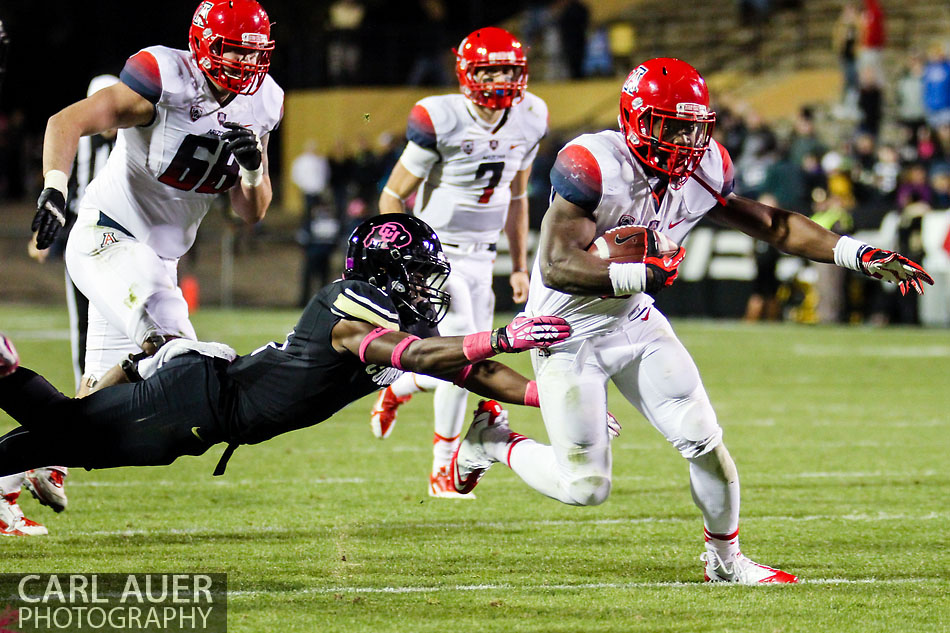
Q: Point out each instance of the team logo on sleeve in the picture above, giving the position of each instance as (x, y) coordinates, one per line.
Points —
(108, 237)
(390, 233)
(468, 146)
(196, 112)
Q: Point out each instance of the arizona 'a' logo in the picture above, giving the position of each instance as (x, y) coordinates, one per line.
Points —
(108, 237)
(468, 146)
(390, 233)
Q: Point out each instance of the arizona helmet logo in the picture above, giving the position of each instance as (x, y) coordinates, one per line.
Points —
(390, 233)
(201, 15)
(633, 81)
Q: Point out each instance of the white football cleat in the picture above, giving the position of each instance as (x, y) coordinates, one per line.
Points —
(741, 570)
(441, 486)
(471, 460)
(47, 486)
(9, 359)
(12, 521)
(382, 418)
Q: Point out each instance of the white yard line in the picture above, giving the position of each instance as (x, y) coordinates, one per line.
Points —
(510, 524)
(253, 593)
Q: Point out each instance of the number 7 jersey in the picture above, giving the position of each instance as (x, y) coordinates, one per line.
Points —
(161, 178)
(468, 164)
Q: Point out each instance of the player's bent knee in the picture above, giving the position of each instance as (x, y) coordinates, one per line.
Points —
(591, 490)
(164, 314)
(700, 432)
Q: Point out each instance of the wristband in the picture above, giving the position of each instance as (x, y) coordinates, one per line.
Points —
(520, 196)
(478, 346)
(531, 397)
(627, 279)
(848, 253)
(400, 349)
(57, 180)
(393, 194)
(462, 376)
(369, 338)
(252, 177)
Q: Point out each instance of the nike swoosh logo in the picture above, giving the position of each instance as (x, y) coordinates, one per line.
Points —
(194, 431)
(678, 222)
(620, 240)
(514, 146)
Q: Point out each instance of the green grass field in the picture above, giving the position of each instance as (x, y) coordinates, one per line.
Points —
(840, 435)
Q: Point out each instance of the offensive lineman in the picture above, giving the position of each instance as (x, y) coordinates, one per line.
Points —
(192, 124)
(662, 170)
(468, 160)
(354, 337)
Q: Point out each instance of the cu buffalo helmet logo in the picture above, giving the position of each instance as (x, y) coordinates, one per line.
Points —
(390, 234)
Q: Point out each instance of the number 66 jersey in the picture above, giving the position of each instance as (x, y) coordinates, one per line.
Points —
(161, 178)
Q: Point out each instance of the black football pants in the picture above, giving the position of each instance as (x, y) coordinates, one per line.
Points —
(178, 411)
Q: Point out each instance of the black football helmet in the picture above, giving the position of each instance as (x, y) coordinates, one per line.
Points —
(402, 256)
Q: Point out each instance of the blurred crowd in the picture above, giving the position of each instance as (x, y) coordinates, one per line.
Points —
(878, 163)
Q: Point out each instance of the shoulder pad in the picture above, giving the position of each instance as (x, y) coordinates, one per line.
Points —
(142, 73)
(580, 170)
(362, 301)
(269, 105)
(533, 112)
(716, 169)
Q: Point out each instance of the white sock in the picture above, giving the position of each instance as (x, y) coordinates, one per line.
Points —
(11, 483)
(716, 494)
(410, 383)
(449, 403)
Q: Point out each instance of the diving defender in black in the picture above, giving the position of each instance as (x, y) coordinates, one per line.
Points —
(341, 349)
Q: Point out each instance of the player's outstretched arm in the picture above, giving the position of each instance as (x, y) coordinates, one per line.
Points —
(117, 106)
(444, 356)
(795, 234)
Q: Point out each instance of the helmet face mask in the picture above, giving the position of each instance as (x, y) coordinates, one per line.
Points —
(230, 41)
(480, 60)
(665, 117)
(402, 256)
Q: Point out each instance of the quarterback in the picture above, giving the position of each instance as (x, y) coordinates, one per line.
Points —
(354, 337)
(468, 161)
(662, 170)
(192, 124)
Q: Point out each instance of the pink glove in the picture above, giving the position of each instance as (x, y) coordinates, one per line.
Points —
(9, 360)
(521, 334)
(529, 333)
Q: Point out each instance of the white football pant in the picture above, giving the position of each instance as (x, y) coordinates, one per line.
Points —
(656, 374)
(471, 310)
(133, 293)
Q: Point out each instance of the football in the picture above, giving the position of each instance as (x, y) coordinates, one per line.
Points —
(625, 244)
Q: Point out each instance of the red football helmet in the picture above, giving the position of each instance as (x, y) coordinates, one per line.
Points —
(230, 40)
(665, 116)
(486, 48)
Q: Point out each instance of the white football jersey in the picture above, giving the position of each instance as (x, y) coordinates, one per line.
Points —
(161, 178)
(468, 164)
(598, 173)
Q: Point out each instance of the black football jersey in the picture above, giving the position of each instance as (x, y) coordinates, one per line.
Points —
(302, 381)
